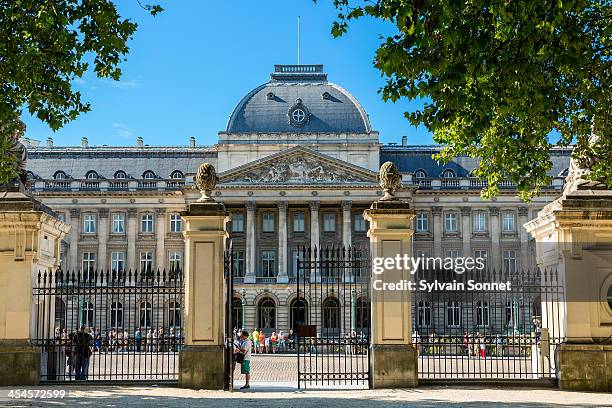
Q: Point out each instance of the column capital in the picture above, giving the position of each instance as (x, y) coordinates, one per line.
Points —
(436, 210)
(250, 205)
(160, 211)
(314, 205)
(494, 211)
(131, 212)
(466, 211)
(523, 211)
(103, 212)
(75, 213)
(346, 205)
(282, 205)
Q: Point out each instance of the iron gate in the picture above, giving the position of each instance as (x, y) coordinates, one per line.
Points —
(135, 320)
(333, 323)
(495, 334)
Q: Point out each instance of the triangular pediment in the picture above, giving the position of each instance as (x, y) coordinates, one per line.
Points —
(298, 165)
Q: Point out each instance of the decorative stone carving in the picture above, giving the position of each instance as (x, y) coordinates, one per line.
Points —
(314, 205)
(103, 212)
(390, 180)
(282, 205)
(131, 212)
(75, 213)
(19, 155)
(346, 205)
(206, 180)
(436, 211)
(250, 205)
(494, 211)
(466, 211)
(523, 211)
(298, 169)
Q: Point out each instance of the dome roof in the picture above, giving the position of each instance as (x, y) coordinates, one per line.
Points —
(298, 99)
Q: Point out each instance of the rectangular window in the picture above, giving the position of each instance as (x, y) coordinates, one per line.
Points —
(359, 223)
(268, 263)
(146, 223)
(453, 314)
(268, 222)
(509, 259)
(452, 253)
(238, 222)
(298, 222)
(176, 260)
(89, 224)
(424, 314)
(450, 222)
(239, 264)
(480, 221)
(482, 313)
(481, 254)
(119, 223)
(329, 222)
(89, 263)
(146, 261)
(419, 253)
(422, 222)
(117, 261)
(508, 222)
(176, 223)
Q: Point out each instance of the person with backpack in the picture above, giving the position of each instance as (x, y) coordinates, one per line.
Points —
(243, 357)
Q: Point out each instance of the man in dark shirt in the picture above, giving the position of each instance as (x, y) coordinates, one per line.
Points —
(82, 342)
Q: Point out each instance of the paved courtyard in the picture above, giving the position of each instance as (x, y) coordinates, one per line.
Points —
(260, 396)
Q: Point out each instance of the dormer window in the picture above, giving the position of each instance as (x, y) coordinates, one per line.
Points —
(120, 175)
(326, 96)
(177, 174)
(60, 175)
(564, 173)
(148, 175)
(91, 175)
(420, 174)
(270, 96)
(448, 173)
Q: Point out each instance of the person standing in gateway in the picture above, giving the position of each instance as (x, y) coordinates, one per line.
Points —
(245, 348)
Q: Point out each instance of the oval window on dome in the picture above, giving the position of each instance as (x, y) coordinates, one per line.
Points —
(298, 115)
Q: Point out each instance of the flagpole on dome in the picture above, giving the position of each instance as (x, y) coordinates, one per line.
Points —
(298, 40)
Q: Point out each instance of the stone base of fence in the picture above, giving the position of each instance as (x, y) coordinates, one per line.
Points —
(585, 367)
(394, 366)
(201, 367)
(19, 363)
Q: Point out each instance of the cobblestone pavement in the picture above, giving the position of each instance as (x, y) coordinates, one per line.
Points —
(260, 396)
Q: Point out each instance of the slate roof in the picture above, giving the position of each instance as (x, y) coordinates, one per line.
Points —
(332, 108)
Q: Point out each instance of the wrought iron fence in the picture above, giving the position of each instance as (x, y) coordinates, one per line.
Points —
(109, 325)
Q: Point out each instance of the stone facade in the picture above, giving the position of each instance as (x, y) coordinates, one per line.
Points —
(286, 184)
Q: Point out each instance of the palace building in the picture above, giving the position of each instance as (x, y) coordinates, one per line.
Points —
(297, 163)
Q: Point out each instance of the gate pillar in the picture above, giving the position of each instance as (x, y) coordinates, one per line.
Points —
(30, 241)
(201, 364)
(573, 239)
(393, 357)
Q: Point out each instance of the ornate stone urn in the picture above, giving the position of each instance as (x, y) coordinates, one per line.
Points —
(206, 180)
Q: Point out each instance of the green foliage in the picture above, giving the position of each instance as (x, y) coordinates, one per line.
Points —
(498, 76)
(45, 44)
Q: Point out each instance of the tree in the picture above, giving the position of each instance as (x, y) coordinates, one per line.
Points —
(44, 46)
(501, 79)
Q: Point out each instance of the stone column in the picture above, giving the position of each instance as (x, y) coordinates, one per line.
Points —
(282, 276)
(75, 223)
(160, 238)
(201, 362)
(314, 224)
(251, 254)
(394, 359)
(495, 232)
(346, 224)
(466, 231)
(437, 230)
(573, 238)
(30, 238)
(102, 239)
(132, 233)
(523, 237)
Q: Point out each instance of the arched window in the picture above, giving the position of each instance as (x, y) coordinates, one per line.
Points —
(420, 174)
(482, 313)
(298, 311)
(60, 313)
(146, 314)
(116, 315)
(174, 314)
(60, 175)
(423, 314)
(237, 317)
(331, 314)
(448, 173)
(266, 314)
(177, 174)
(148, 175)
(362, 315)
(87, 314)
(120, 175)
(91, 175)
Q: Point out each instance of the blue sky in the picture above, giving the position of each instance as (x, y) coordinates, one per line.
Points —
(189, 67)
